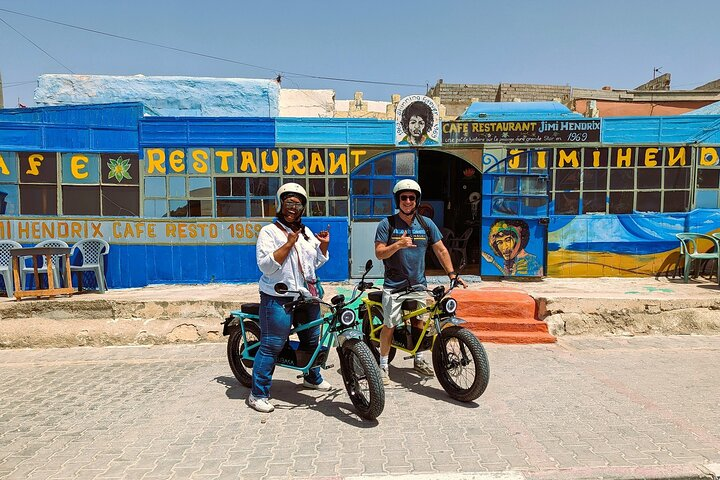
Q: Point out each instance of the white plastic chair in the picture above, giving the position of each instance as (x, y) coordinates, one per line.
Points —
(6, 264)
(92, 251)
(42, 268)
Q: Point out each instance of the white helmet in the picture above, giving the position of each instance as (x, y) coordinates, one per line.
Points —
(287, 189)
(405, 185)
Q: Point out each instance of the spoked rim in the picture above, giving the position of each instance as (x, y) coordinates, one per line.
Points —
(460, 365)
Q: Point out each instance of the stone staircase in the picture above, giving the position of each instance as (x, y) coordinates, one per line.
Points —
(501, 315)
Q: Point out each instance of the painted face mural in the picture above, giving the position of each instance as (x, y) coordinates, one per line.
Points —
(417, 121)
(508, 240)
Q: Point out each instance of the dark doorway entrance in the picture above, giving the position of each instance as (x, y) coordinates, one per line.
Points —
(451, 197)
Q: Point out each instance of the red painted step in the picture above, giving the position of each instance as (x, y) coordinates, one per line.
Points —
(501, 315)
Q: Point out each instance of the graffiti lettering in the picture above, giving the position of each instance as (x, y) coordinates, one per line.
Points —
(3, 167)
(133, 229)
(78, 163)
(709, 156)
(34, 161)
(191, 230)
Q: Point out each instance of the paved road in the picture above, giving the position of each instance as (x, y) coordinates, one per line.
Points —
(583, 408)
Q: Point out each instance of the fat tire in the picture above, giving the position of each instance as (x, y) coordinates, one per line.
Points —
(373, 345)
(235, 346)
(480, 361)
(369, 408)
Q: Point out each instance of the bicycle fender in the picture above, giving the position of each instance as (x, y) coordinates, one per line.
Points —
(451, 321)
(349, 334)
(230, 324)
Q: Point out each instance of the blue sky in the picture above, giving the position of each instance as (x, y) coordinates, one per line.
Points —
(579, 43)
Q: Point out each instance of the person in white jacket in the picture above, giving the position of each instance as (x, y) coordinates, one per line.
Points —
(287, 252)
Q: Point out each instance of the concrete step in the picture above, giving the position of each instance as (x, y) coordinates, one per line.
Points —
(502, 315)
(479, 324)
(515, 337)
(495, 302)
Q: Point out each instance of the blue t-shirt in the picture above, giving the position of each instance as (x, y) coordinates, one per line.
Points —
(407, 264)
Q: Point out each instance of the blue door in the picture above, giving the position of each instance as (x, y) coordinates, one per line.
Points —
(515, 216)
(371, 200)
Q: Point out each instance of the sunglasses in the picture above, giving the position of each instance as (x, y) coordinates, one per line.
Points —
(408, 198)
(293, 205)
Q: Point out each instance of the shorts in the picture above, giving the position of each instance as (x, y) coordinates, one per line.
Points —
(391, 303)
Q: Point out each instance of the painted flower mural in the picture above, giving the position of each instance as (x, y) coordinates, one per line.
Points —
(119, 168)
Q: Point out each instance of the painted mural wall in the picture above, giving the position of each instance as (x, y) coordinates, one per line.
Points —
(622, 245)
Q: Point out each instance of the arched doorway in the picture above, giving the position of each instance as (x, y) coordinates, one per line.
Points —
(451, 197)
(452, 193)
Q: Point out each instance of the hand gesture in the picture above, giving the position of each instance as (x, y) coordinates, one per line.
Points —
(460, 281)
(405, 241)
(323, 237)
(292, 238)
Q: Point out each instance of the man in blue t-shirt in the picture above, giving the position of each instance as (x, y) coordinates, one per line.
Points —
(402, 251)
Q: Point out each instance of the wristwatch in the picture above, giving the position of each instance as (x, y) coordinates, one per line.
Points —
(452, 273)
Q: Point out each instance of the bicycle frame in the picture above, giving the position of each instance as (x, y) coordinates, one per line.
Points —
(407, 315)
(327, 338)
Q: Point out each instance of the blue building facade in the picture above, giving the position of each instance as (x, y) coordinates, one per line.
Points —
(533, 193)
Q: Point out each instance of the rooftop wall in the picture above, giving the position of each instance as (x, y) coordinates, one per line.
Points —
(165, 96)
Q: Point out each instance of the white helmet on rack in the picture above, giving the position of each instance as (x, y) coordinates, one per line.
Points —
(407, 185)
(290, 188)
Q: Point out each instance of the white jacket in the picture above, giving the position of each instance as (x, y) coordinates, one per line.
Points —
(269, 240)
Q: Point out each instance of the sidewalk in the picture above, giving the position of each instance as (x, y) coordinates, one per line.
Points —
(584, 408)
(190, 313)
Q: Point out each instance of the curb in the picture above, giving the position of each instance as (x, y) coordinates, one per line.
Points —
(655, 472)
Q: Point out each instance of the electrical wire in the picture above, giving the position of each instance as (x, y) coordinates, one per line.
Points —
(212, 57)
(36, 45)
(17, 84)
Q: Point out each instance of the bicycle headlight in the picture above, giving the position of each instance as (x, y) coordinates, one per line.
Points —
(449, 305)
(347, 318)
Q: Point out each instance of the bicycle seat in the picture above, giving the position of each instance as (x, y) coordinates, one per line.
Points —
(250, 308)
(375, 296)
(410, 305)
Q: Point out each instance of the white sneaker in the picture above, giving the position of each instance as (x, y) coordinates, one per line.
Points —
(384, 376)
(422, 366)
(260, 404)
(324, 385)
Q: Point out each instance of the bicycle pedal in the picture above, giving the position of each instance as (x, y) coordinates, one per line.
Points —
(329, 366)
(302, 375)
(408, 357)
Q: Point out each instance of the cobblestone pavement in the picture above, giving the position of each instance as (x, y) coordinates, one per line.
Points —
(589, 407)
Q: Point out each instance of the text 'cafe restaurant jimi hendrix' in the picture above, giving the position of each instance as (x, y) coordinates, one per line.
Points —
(518, 190)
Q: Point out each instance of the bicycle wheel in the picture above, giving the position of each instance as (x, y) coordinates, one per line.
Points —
(361, 376)
(462, 369)
(374, 345)
(242, 369)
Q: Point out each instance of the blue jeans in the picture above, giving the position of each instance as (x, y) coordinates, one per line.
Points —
(275, 325)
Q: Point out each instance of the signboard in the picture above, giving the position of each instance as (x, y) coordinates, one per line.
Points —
(536, 131)
(134, 231)
(417, 122)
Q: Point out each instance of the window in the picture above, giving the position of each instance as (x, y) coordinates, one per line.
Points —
(9, 191)
(372, 183)
(623, 180)
(321, 171)
(38, 183)
(519, 187)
